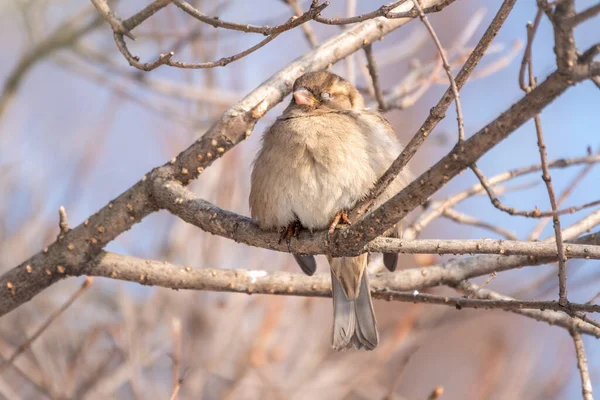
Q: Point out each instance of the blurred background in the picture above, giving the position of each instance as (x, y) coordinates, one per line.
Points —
(78, 126)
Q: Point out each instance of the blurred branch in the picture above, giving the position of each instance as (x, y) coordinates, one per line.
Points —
(311, 37)
(372, 66)
(25, 345)
(65, 35)
(446, 65)
(177, 380)
(582, 365)
(465, 219)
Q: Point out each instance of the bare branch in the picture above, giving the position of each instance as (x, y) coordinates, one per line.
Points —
(372, 66)
(180, 201)
(446, 64)
(385, 11)
(25, 345)
(562, 269)
(583, 16)
(552, 317)
(115, 23)
(582, 365)
(531, 31)
(537, 231)
(466, 302)
(465, 219)
(65, 35)
(266, 30)
(564, 38)
(311, 37)
(148, 272)
(536, 213)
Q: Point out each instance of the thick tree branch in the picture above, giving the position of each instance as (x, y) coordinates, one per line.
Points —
(180, 201)
(384, 285)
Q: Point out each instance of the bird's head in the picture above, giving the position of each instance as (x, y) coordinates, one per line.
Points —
(325, 91)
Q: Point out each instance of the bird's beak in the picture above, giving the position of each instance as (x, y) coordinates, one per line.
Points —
(304, 97)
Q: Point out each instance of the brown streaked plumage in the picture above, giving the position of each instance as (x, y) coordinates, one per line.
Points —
(321, 156)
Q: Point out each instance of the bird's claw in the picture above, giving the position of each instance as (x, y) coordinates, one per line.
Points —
(339, 216)
(292, 230)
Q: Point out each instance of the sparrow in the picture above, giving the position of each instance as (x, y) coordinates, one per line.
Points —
(319, 158)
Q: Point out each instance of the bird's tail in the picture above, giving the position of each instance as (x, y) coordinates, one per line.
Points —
(354, 323)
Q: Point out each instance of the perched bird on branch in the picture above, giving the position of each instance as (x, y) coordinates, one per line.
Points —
(321, 156)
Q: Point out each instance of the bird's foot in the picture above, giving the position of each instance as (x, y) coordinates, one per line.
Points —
(339, 216)
(292, 230)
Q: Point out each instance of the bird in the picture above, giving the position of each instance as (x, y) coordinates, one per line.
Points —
(317, 161)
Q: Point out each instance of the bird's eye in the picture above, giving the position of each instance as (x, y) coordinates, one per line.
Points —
(325, 96)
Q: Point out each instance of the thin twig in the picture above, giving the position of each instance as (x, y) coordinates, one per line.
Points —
(434, 212)
(25, 345)
(266, 30)
(159, 273)
(176, 379)
(582, 365)
(415, 13)
(380, 12)
(531, 31)
(562, 269)
(63, 222)
(309, 33)
(536, 213)
(372, 66)
(446, 64)
(466, 302)
(537, 231)
(384, 11)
